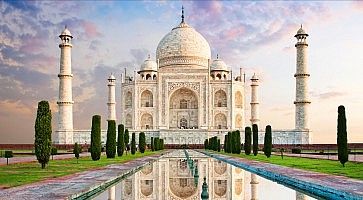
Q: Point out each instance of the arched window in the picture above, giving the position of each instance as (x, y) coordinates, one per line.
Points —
(238, 121)
(183, 104)
(146, 121)
(225, 76)
(220, 99)
(128, 121)
(220, 121)
(148, 76)
(238, 100)
(183, 123)
(128, 100)
(219, 76)
(154, 77)
(146, 99)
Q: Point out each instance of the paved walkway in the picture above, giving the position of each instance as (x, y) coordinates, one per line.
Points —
(355, 158)
(324, 185)
(75, 185)
(26, 159)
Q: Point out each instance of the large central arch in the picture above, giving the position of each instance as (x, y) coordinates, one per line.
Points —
(183, 109)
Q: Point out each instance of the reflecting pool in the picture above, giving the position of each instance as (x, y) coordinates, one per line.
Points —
(174, 176)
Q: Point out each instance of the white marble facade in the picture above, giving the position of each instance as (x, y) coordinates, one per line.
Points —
(185, 96)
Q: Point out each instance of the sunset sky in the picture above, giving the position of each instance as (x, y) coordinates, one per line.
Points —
(110, 36)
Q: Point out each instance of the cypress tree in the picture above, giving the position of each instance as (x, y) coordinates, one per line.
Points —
(152, 144)
(156, 144)
(342, 141)
(225, 142)
(219, 145)
(247, 146)
(120, 140)
(238, 142)
(229, 142)
(255, 139)
(111, 139)
(267, 146)
(127, 137)
(133, 144)
(206, 144)
(142, 142)
(161, 144)
(43, 133)
(96, 137)
(77, 150)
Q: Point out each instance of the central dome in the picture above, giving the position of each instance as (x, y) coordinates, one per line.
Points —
(183, 45)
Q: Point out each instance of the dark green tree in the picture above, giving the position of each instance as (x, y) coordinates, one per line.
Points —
(111, 139)
(120, 140)
(127, 137)
(342, 141)
(225, 143)
(96, 138)
(43, 133)
(142, 142)
(152, 144)
(133, 144)
(206, 144)
(161, 144)
(219, 145)
(156, 144)
(255, 139)
(54, 151)
(77, 150)
(229, 142)
(267, 146)
(8, 154)
(247, 145)
(238, 143)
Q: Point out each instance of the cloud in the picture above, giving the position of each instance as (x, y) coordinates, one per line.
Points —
(90, 29)
(329, 95)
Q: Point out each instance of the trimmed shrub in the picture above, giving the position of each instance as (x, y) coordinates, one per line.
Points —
(54, 151)
(152, 144)
(7, 155)
(133, 144)
(111, 139)
(77, 150)
(206, 144)
(342, 141)
(96, 138)
(247, 144)
(127, 137)
(296, 151)
(225, 142)
(219, 145)
(120, 140)
(43, 133)
(267, 146)
(142, 142)
(255, 139)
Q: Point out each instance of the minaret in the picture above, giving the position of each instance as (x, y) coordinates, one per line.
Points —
(254, 186)
(255, 113)
(64, 133)
(111, 104)
(302, 75)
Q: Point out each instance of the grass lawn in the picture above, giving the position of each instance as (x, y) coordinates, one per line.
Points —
(351, 169)
(23, 173)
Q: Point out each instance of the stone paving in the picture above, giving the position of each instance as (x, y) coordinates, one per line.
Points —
(72, 186)
(333, 187)
(26, 159)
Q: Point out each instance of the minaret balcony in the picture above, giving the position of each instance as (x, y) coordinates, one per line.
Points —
(299, 75)
(302, 102)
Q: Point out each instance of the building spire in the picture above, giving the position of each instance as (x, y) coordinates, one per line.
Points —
(217, 56)
(182, 16)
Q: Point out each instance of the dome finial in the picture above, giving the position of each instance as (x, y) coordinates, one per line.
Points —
(301, 26)
(217, 56)
(148, 56)
(182, 15)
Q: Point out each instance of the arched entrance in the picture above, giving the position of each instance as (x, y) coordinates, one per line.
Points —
(183, 109)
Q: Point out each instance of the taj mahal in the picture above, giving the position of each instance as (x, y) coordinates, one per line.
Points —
(184, 95)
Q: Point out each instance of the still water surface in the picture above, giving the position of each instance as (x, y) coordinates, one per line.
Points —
(174, 177)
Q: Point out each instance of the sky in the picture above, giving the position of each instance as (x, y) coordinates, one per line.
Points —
(110, 36)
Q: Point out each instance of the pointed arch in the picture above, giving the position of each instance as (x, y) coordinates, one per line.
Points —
(146, 98)
(238, 99)
(220, 99)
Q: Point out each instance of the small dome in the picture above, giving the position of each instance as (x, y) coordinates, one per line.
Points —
(111, 77)
(66, 32)
(301, 31)
(149, 65)
(218, 65)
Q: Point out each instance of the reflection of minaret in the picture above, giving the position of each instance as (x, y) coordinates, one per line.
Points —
(301, 196)
(302, 75)
(254, 189)
(111, 104)
(112, 193)
(255, 114)
(65, 103)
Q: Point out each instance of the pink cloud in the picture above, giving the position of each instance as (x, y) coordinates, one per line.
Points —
(90, 29)
(358, 5)
(233, 32)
